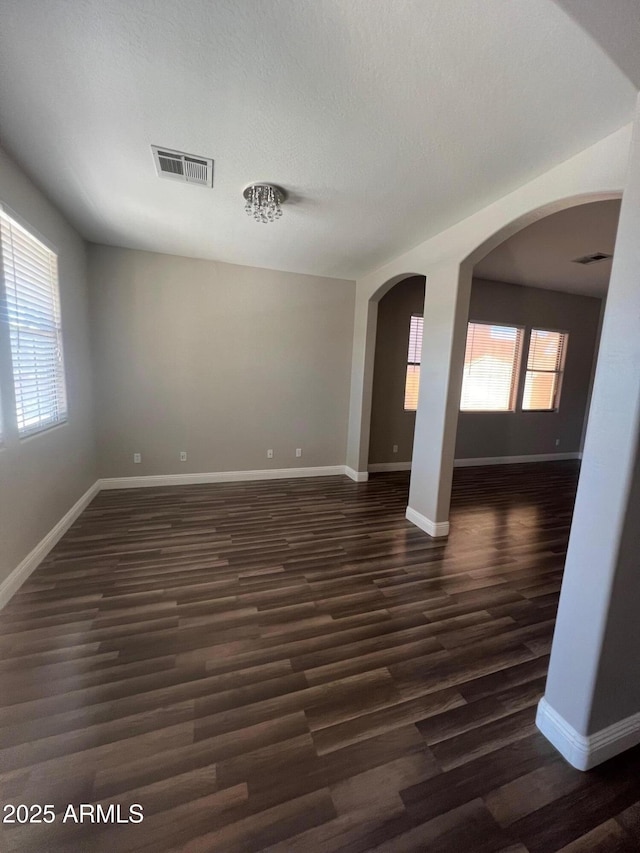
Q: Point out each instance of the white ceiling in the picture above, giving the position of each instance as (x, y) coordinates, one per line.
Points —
(615, 25)
(543, 254)
(386, 120)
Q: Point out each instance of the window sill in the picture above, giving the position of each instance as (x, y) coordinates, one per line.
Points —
(46, 429)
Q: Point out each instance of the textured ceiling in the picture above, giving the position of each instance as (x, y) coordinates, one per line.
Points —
(386, 120)
(542, 254)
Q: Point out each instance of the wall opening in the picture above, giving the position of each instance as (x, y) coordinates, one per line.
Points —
(531, 284)
(396, 375)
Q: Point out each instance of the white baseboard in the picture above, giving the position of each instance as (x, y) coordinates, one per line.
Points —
(433, 528)
(513, 460)
(380, 467)
(18, 576)
(358, 476)
(586, 751)
(220, 477)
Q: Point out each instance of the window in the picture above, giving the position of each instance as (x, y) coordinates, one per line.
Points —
(414, 358)
(491, 363)
(545, 364)
(32, 312)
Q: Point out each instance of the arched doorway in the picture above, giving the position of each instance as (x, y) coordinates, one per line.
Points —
(396, 376)
(455, 270)
(446, 311)
(365, 327)
(598, 172)
(534, 322)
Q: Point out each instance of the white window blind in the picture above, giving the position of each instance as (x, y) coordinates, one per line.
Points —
(491, 362)
(414, 357)
(545, 363)
(30, 273)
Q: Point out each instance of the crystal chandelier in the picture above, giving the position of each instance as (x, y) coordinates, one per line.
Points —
(263, 202)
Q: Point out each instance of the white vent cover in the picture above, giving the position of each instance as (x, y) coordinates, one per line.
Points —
(186, 168)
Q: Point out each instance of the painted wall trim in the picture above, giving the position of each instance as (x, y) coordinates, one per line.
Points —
(513, 460)
(380, 467)
(19, 575)
(357, 476)
(586, 751)
(219, 477)
(433, 528)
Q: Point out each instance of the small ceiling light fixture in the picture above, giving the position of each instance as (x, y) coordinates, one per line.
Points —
(263, 201)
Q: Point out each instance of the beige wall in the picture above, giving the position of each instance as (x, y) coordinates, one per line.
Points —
(390, 424)
(486, 434)
(41, 477)
(219, 360)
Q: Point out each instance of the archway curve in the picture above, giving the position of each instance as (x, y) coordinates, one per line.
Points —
(517, 224)
(460, 281)
(597, 173)
(360, 410)
(391, 283)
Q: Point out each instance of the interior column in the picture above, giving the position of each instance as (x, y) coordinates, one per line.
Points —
(591, 707)
(364, 343)
(446, 312)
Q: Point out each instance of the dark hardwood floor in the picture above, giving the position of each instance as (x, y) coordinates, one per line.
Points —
(292, 666)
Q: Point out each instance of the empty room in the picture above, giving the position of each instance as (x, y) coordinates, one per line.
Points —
(324, 535)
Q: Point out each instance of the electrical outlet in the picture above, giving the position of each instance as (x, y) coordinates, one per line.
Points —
(269, 454)
(183, 455)
(557, 442)
(395, 448)
(298, 452)
(137, 457)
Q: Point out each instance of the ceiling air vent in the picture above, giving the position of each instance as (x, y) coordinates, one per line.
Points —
(592, 259)
(178, 166)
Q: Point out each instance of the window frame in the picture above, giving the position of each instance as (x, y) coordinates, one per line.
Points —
(522, 371)
(559, 372)
(9, 380)
(409, 364)
(517, 369)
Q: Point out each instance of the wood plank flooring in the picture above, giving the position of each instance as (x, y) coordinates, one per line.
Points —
(291, 666)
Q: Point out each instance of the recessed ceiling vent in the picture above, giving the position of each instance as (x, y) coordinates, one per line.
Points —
(592, 259)
(186, 168)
